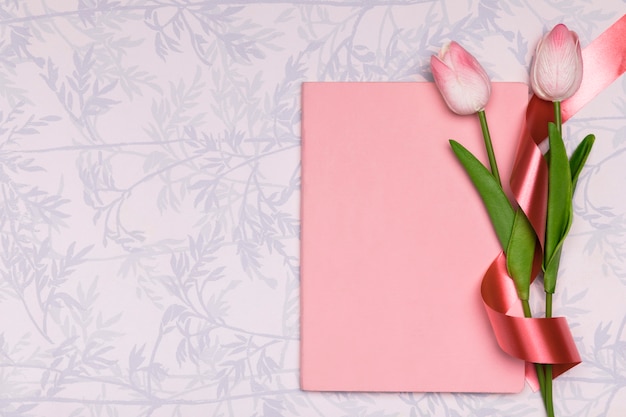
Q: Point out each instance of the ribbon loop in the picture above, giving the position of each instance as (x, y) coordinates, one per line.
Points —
(536, 340)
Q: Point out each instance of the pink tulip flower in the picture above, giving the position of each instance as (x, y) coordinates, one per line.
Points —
(557, 69)
(462, 81)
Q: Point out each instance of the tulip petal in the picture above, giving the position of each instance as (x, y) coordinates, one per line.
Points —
(463, 83)
(556, 73)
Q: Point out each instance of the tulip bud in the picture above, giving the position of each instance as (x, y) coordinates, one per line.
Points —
(557, 69)
(462, 81)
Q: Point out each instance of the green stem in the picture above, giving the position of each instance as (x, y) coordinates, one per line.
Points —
(541, 377)
(557, 116)
(548, 304)
(490, 154)
(538, 366)
(549, 403)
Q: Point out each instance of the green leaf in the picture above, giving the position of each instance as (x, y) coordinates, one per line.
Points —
(559, 212)
(496, 202)
(551, 271)
(579, 157)
(576, 163)
(520, 254)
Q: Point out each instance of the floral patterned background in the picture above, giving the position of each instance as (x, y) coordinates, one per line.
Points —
(149, 167)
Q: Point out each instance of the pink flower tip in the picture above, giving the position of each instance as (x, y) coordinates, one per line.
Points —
(557, 69)
(462, 81)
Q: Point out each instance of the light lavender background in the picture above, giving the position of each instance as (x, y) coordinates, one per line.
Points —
(149, 196)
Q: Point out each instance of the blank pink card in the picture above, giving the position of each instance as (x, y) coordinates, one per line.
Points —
(395, 240)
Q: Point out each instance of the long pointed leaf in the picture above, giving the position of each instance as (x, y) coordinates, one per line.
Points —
(576, 163)
(496, 202)
(551, 271)
(520, 253)
(579, 157)
(559, 212)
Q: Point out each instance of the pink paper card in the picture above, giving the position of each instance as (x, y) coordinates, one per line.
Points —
(395, 240)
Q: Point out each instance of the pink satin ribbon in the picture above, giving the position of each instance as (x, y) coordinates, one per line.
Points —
(546, 340)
